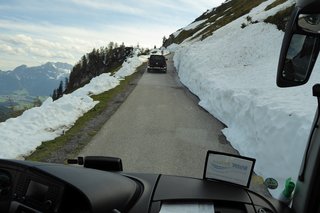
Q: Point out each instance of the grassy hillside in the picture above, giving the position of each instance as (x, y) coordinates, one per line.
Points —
(229, 11)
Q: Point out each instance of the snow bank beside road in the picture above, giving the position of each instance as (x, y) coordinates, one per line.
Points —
(21, 135)
(234, 75)
(129, 67)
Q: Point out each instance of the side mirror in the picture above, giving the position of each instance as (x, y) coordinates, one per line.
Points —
(309, 22)
(228, 168)
(300, 49)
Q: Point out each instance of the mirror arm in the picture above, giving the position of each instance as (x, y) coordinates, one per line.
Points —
(316, 93)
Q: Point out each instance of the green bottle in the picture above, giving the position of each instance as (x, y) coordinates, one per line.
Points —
(287, 193)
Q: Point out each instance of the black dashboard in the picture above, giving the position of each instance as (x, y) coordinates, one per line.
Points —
(32, 187)
(29, 187)
(24, 189)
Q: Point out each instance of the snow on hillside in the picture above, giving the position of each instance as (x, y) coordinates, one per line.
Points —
(194, 25)
(20, 136)
(233, 73)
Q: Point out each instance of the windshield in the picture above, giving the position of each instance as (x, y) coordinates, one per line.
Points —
(73, 82)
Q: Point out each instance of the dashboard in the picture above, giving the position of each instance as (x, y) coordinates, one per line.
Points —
(24, 190)
(32, 187)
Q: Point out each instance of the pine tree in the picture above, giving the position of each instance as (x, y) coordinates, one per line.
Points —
(60, 90)
(54, 95)
(84, 63)
(66, 83)
(111, 45)
(164, 39)
(101, 60)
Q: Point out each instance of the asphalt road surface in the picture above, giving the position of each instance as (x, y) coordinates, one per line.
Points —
(160, 129)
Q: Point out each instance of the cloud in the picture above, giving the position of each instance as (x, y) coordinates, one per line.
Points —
(33, 51)
(160, 12)
(79, 39)
(186, 6)
(7, 49)
(115, 6)
(199, 5)
(27, 42)
(49, 45)
(19, 39)
(51, 31)
(41, 52)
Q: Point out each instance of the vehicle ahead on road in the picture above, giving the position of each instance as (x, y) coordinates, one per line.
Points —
(157, 63)
(101, 186)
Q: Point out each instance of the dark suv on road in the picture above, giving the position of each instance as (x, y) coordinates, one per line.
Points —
(157, 63)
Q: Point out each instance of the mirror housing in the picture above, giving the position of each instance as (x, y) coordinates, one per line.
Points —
(300, 49)
(309, 22)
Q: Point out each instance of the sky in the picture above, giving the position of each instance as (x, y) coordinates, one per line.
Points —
(34, 32)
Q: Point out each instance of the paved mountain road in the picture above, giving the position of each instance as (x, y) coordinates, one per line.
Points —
(160, 129)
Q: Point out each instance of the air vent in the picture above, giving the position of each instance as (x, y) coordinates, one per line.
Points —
(21, 186)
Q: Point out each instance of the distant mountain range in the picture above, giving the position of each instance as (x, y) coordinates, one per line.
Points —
(34, 81)
(24, 85)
